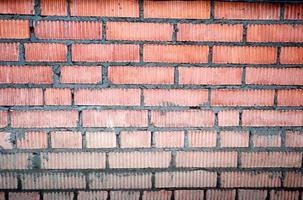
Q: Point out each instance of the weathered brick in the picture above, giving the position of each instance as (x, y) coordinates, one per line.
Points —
(21, 97)
(8, 181)
(14, 161)
(291, 55)
(48, 52)
(24, 195)
(58, 195)
(66, 139)
(252, 194)
(135, 139)
(266, 140)
(53, 7)
(281, 195)
(17, 7)
(169, 139)
(294, 139)
(290, 97)
(5, 140)
(234, 138)
(32, 140)
(189, 194)
(293, 11)
(220, 194)
(56, 96)
(293, 179)
(100, 139)
(14, 29)
(117, 195)
(91, 195)
(3, 119)
(202, 138)
(81, 74)
(9, 51)
(228, 118)
(159, 195)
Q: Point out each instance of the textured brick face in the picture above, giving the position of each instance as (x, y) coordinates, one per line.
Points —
(151, 100)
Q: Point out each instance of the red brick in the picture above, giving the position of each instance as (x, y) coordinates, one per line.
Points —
(202, 138)
(272, 118)
(73, 160)
(274, 76)
(21, 97)
(26, 74)
(43, 119)
(109, 97)
(175, 53)
(154, 159)
(90, 195)
(248, 11)
(76, 30)
(105, 52)
(293, 12)
(58, 195)
(115, 8)
(266, 140)
(169, 139)
(139, 31)
(293, 179)
(9, 51)
(244, 54)
(120, 180)
(168, 97)
(210, 32)
(141, 75)
(206, 159)
(14, 29)
(8, 181)
(24, 195)
(290, 97)
(271, 159)
(32, 140)
(188, 179)
(3, 119)
(275, 33)
(220, 194)
(136, 139)
(53, 7)
(66, 139)
(56, 96)
(210, 76)
(233, 97)
(252, 194)
(294, 139)
(189, 194)
(228, 118)
(234, 138)
(101, 139)
(81, 74)
(177, 9)
(14, 161)
(282, 195)
(157, 195)
(114, 118)
(291, 55)
(17, 7)
(250, 179)
(5, 140)
(187, 118)
(53, 180)
(2, 196)
(117, 195)
(49, 52)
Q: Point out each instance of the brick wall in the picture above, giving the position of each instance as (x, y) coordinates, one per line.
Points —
(150, 100)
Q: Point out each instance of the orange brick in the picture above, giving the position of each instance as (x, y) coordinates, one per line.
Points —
(220, 194)
(8, 181)
(266, 140)
(43, 119)
(244, 55)
(169, 139)
(115, 8)
(187, 118)
(81, 74)
(123, 97)
(294, 139)
(293, 179)
(17, 7)
(58, 195)
(116, 195)
(290, 97)
(159, 195)
(100, 139)
(153, 159)
(250, 179)
(232, 97)
(3, 119)
(53, 7)
(293, 11)
(175, 53)
(84, 195)
(274, 76)
(32, 140)
(136, 139)
(141, 75)
(105, 52)
(206, 159)
(252, 194)
(66, 139)
(5, 140)
(271, 159)
(114, 118)
(172, 97)
(272, 118)
(14, 29)
(21, 97)
(68, 30)
(177, 9)
(24, 195)
(9, 51)
(188, 194)
(228, 118)
(14, 161)
(210, 76)
(210, 32)
(291, 55)
(55, 96)
(202, 138)
(26, 74)
(234, 139)
(246, 10)
(49, 52)
(281, 195)
(139, 31)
